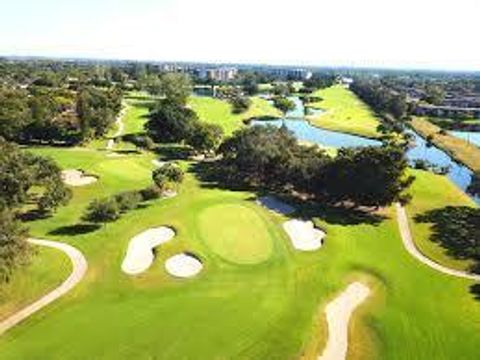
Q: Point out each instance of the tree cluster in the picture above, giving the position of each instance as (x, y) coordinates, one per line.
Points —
(269, 157)
(381, 98)
(173, 122)
(24, 179)
(112, 208)
(40, 114)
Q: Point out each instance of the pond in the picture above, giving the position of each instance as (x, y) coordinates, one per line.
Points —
(303, 130)
(470, 136)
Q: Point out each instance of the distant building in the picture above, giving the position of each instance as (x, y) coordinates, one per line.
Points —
(222, 74)
(292, 74)
(345, 81)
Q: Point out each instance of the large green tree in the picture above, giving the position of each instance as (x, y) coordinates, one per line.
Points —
(176, 87)
(14, 249)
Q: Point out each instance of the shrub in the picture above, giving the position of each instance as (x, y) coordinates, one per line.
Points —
(150, 193)
(128, 200)
(102, 211)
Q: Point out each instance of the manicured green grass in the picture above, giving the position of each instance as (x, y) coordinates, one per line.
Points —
(243, 236)
(217, 111)
(459, 149)
(47, 269)
(345, 112)
(434, 192)
(268, 310)
(135, 118)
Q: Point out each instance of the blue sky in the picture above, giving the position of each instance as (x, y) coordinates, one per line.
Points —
(440, 34)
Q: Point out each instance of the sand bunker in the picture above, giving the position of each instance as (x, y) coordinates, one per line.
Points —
(75, 177)
(338, 314)
(303, 234)
(183, 265)
(140, 255)
(273, 204)
(167, 194)
(159, 163)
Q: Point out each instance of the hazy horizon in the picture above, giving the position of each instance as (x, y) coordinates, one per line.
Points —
(408, 35)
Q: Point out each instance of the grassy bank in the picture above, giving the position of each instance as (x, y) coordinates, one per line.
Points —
(345, 112)
(432, 192)
(459, 149)
(217, 111)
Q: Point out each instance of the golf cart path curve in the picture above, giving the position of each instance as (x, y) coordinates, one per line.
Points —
(409, 244)
(79, 269)
(120, 128)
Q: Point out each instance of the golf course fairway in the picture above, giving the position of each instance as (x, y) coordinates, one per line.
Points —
(256, 297)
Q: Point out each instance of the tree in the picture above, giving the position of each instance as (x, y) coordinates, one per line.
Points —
(128, 200)
(176, 87)
(205, 137)
(370, 176)
(171, 122)
(102, 211)
(258, 156)
(240, 104)
(167, 176)
(14, 249)
(283, 104)
(14, 112)
(474, 187)
(22, 171)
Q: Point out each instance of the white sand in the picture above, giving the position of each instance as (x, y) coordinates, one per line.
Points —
(183, 265)
(276, 205)
(303, 234)
(338, 314)
(159, 163)
(75, 177)
(139, 254)
(169, 194)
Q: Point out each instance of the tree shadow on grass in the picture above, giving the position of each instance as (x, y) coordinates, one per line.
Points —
(173, 152)
(33, 215)
(475, 291)
(456, 229)
(212, 175)
(77, 229)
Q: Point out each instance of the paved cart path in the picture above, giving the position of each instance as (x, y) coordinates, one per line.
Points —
(79, 269)
(409, 244)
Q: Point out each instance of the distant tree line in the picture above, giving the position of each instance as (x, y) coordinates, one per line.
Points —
(380, 97)
(40, 114)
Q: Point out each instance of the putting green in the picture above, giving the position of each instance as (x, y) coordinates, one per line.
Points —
(236, 233)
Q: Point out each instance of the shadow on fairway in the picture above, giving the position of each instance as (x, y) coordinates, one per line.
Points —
(456, 229)
(173, 152)
(77, 229)
(212, 176)
(475, 291)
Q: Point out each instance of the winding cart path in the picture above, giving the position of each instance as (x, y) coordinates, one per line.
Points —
(79, 269)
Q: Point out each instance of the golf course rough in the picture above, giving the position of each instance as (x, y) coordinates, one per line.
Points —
(236, 233)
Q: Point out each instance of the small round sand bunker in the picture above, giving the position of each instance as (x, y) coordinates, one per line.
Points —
(304, 236)
(183, 265)
(75, 177)
(139, 256)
